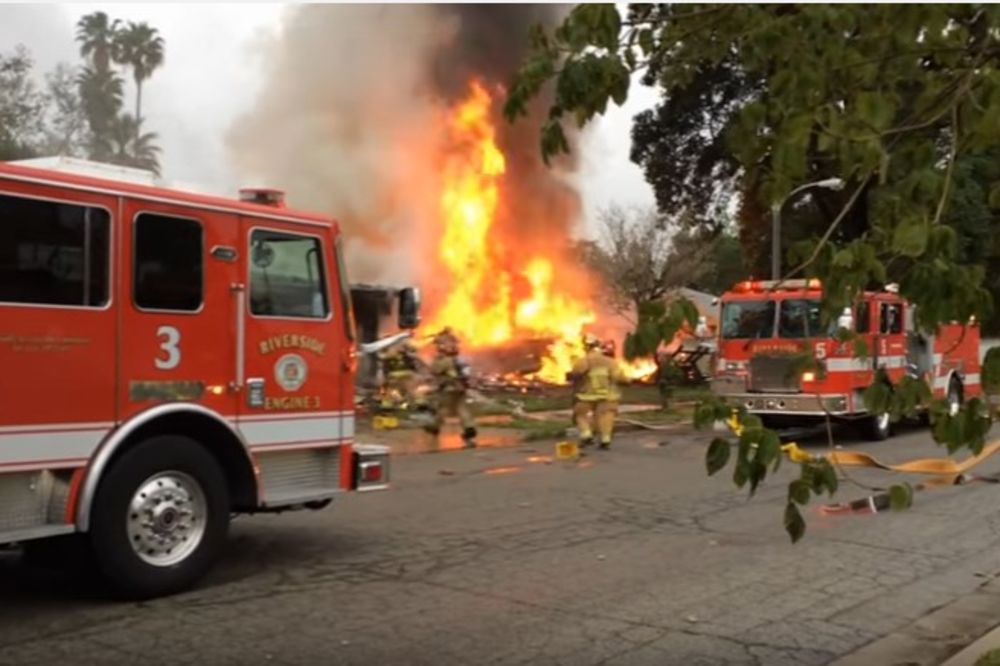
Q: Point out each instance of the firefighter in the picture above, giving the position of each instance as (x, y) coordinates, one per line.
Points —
(595, 378)
(451, 386)
(609, 349)
(399, 369)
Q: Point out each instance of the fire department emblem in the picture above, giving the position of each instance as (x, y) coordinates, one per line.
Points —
(291, 371)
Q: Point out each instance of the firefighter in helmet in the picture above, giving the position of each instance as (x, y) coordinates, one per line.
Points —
(595, 378)
(451, 378)
(400, 364)
(610, 349)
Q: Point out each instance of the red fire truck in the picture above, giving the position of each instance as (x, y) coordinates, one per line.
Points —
(169, 359)
(766, 327)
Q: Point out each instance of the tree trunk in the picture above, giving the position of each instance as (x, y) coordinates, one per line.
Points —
(138, 110)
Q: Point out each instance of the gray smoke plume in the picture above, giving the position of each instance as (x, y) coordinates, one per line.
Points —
(348, 121)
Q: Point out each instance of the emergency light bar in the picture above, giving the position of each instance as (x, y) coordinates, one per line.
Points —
(767, 285)
(263, 196)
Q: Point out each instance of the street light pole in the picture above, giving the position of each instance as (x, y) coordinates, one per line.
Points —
(835, 184)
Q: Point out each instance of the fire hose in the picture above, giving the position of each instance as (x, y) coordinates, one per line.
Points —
(944, 471)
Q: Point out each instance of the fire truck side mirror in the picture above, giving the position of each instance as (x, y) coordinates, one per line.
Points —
(409, 308)
(846, 320)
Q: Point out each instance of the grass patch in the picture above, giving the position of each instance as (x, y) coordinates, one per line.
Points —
(991, 658)
(534, 429)
(505, 403)
(658, 416)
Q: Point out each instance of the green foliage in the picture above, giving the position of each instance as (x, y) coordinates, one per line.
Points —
(717, 455)
(989, 374)
(21, 106)
(900, 496)
(659, 321)
(908, 120)
(794, 524)
(899, 101)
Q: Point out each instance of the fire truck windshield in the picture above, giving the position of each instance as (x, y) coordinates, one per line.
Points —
(796, 318)
(800, 318)
(748, 319)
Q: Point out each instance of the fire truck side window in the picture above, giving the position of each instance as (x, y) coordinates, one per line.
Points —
(287, 278)
(53, 253)
(891, 321)
(862, 317)
(800, 318)
(748, 319)
(167, 263)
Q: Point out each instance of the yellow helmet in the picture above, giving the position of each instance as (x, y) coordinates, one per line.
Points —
(590, 341)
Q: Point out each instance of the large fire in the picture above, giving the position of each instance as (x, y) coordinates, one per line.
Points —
(498, 292)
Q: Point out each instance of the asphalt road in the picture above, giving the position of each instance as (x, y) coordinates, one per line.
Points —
(504, 556)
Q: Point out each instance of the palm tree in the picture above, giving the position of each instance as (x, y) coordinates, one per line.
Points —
(140, 47)
(97, 35)
(101, 95)
(131, 147)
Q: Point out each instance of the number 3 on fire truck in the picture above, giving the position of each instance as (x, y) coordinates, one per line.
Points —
(169, 338)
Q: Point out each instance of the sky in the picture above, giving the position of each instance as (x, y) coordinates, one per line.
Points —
(211, 75)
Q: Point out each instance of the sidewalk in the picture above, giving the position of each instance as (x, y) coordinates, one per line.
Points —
(954, 635)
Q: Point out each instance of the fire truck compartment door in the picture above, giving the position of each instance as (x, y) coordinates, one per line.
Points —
(293, 348)
(178, 311)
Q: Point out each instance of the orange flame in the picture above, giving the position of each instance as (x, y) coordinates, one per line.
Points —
(481, 306)
(641, 369)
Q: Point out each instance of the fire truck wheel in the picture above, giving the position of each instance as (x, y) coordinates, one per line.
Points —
(879, 427)
(954, 396)
(160, 517)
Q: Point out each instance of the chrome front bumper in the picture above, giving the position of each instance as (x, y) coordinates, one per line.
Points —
(790, 403)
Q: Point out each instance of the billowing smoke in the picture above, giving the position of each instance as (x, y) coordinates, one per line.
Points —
(349, 122)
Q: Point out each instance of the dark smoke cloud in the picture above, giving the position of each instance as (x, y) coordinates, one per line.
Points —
(349, 122)
(490, 42)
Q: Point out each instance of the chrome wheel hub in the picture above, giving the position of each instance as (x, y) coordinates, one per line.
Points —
(883, 421)
(166, 518)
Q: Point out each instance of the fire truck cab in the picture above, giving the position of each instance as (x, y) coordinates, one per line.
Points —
(169, 359)
(766, 327)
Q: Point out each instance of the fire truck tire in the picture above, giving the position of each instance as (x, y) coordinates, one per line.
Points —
(160, 517)
(879, 427)
(954, 396)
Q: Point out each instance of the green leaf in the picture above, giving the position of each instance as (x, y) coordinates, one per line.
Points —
(799, 492)
(553, 140)
(994, 199)
(757, 473)
(646, 41)
(990, 372)
(768, 447)
(900, 496)
(717, 455)
(794, 524)
(910, 237)
(875, 109)
(630, 59)
(878, 395)
(741, 473)
(843, 259)
(828, 477)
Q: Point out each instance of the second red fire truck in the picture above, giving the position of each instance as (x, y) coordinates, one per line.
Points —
(169, 359)
(766, 327)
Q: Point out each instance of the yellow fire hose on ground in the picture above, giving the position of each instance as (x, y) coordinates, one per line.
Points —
(945, 471)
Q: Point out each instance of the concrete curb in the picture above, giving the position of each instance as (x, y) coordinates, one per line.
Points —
(954, 635)
(982, 645)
